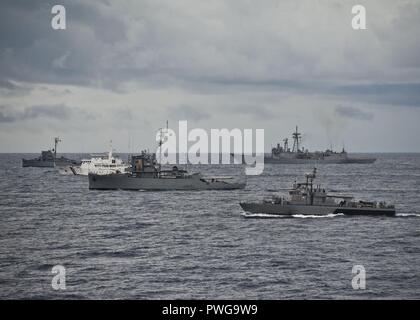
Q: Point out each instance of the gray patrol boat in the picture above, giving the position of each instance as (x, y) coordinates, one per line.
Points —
(283, 154)
(147, 174)
(307, 199)
(49, 159)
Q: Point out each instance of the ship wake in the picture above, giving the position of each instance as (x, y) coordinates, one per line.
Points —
(330, 215)
(407, 215)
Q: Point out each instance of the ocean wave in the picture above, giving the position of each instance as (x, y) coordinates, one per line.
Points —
(330, 215)
(407, 215)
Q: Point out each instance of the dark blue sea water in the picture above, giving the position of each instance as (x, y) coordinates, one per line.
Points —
(165, 245)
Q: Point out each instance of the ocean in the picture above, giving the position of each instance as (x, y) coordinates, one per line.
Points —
(199, 245)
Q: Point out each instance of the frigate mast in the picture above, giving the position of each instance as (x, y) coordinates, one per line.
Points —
(286, 145)
(296, 136)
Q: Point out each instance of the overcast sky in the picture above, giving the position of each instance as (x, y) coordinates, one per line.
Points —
(122, 68)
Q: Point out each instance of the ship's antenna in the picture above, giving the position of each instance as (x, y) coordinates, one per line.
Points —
(129, 147)
(160, 146)
(186, 162)
(110, 150)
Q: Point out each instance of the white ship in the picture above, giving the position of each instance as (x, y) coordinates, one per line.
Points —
(100, 165)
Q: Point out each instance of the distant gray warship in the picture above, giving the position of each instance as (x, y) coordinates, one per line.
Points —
(307, 199)
(48, 159)
(298, 155)
(147, 174)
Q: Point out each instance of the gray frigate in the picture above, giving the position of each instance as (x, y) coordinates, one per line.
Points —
(283, 154)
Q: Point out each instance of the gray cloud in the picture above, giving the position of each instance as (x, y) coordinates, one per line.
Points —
(31, 51)
(7, 85)
(184, 112)
(210, 61)
(406, 94)
(210, 48)
(56, 112)
(352, 113)
(256, 111)
(9, 88)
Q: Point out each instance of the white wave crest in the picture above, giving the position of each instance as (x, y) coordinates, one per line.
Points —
(407, 215)
(330, 215)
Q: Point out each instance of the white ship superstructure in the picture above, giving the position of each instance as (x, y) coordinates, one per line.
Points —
(101, 165)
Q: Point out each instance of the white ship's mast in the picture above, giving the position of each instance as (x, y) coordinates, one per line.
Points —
(56, 141)
(110, 150)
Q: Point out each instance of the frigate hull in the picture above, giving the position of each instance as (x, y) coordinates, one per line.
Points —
(129, 182)
(279, 209)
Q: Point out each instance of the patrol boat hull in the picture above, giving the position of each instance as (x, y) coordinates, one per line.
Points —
(49, 159)
(39, 163)
(130, 182)
(289, 209)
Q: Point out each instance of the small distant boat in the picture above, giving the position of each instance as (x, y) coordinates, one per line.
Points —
(49, 159)
(305, 198)
(100, 165)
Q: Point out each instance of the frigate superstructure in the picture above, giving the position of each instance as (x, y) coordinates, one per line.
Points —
(305, 198)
